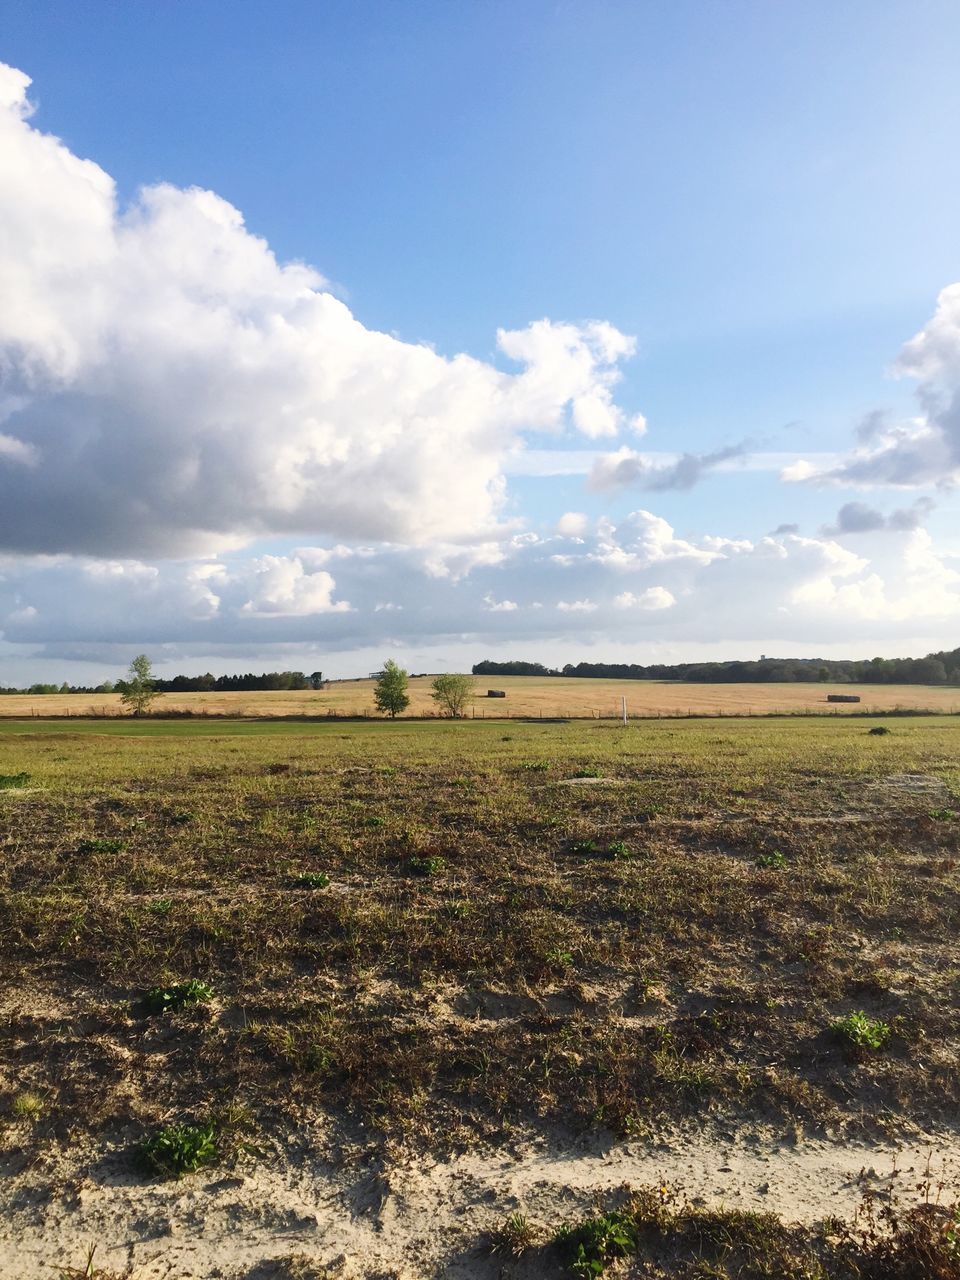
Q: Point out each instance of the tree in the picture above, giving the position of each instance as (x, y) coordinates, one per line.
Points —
(452, 692)
(137, 692)
(390, 692)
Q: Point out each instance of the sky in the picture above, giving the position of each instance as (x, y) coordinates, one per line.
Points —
(571, 330)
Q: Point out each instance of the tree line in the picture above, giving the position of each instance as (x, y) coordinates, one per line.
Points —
(936, 668)
(267, 680)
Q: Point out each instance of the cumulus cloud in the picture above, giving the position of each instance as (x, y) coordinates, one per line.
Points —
(572, 524)
(627, 469)
(633, 580)
(171, 389)
(926, 449)
(281, 585)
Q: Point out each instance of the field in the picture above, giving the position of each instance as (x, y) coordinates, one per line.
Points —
(456, 984)
(526, 696)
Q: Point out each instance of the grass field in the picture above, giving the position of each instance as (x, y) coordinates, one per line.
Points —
(433, 938)
(526, 696)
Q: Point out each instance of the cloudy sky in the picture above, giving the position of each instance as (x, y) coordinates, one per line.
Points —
(562, 330)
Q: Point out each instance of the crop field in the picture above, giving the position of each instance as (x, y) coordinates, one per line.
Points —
(412, 999)
(527, 696)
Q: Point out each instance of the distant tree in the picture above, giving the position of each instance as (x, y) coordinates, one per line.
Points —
(138, 691)
(452, 692)
(390, 691)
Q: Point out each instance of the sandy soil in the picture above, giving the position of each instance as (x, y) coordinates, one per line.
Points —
(417, 1218)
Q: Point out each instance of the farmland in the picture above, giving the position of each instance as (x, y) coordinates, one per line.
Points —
(446, 973)
(527, 696)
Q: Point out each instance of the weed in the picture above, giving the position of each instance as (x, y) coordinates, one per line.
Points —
(177, 1149)
(426, 866)
(619, 851)
(588, 1246)
(585, 848)
(160, 906)
(534, 766)
(771, 861)
(374, 820)
(588, 773)
(177, 995)
(859, 1031)
(943, 815)
(878, 731)
(312, 880)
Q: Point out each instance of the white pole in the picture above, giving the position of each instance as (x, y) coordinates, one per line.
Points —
(624, 704)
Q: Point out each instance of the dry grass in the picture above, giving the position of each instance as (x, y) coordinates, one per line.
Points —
(526, 696)
(494, 945)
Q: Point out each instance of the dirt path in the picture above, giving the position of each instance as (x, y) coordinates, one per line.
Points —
(419, 1218)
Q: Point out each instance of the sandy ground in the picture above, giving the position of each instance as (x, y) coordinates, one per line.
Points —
(418, 1218)
(526, 696)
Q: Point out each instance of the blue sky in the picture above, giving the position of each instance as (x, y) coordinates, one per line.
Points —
(762, 195)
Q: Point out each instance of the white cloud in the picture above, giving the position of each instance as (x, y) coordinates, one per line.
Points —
(499, 606)
(572, 524)
(924, 450)
(281, 586)
(634, 580)
(652, 598)
(178, 391)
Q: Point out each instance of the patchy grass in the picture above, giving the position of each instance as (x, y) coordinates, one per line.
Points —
(658, 1230)
(12, 781)
(663, 971)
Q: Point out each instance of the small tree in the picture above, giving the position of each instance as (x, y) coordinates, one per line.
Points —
(137, 692)
(390, 693)
(452, 692)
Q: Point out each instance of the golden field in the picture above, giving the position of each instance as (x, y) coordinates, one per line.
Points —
(526, 696)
